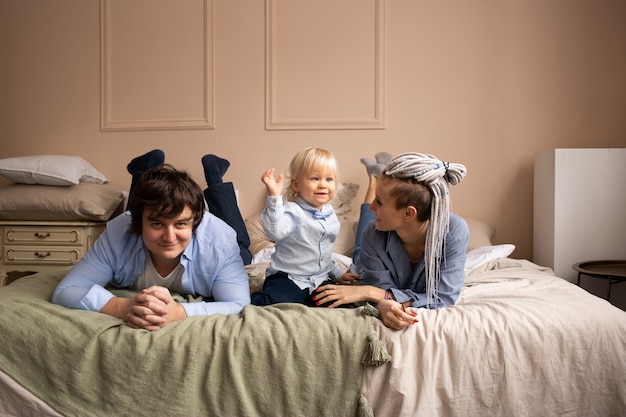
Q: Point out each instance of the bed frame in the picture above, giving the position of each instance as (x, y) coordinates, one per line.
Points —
(519, 342)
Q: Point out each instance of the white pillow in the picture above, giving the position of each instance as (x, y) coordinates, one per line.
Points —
(481, 255)
(59, 170)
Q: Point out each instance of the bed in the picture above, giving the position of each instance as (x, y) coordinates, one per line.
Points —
(519, 342)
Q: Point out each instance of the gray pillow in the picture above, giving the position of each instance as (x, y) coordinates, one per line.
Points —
(81, 202)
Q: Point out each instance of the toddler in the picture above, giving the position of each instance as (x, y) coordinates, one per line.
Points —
(304, 227)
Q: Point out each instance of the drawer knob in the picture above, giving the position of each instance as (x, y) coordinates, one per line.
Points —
(42, 255)
(41, 235)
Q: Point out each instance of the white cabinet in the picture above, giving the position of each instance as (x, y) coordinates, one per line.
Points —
(41, 246)
(579, 208)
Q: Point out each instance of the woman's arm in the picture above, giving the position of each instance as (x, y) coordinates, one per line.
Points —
(381, 266)
(347, 294)
(451, 273)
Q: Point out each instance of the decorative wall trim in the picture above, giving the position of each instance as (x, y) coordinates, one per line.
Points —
(108, 87)
(273, 119)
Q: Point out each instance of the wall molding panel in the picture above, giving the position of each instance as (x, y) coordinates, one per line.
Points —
(157, 65)
(325, 64)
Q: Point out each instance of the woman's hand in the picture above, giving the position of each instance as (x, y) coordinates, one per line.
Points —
(394, 315)
(345, 294)
(274, 186)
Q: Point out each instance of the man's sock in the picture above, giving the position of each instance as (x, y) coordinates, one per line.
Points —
(142, 163)
(137, 166)
(214, 168)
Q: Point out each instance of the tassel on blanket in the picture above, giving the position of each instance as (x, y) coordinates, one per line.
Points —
(365, 409)
(370, 310)
(375, 353)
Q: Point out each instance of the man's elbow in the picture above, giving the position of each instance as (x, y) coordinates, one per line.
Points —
(59, 298)
(241, 305)
(66, 297)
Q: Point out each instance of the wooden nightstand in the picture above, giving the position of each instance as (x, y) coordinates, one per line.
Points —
(44, 245)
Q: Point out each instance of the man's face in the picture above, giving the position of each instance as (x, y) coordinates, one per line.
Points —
(166, 239)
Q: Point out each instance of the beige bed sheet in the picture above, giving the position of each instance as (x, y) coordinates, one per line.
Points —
(519, 342)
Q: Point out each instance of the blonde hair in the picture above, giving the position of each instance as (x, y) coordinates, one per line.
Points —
(422, 181)
(307, 160)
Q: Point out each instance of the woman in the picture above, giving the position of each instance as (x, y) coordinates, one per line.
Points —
(413, 254)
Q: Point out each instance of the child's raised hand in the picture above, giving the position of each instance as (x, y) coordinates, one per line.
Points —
(274, 186)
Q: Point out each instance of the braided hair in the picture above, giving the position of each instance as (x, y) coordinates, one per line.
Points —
(431, 198)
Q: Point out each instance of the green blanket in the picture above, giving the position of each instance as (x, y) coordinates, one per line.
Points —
(283, 360)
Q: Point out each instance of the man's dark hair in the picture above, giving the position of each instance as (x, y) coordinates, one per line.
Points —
(166, 191)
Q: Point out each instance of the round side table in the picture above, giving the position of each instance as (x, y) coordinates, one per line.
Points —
(613, 271)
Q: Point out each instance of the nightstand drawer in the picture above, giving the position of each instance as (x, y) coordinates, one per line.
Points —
(33, 255)
(43, 246)
(42, 235)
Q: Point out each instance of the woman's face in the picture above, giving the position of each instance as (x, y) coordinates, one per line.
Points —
(388, 217)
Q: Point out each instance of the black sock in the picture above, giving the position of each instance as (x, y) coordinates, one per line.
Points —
(214, 168)
(152, 159)
(137, 166)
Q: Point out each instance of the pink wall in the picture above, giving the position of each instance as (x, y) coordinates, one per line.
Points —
(487, 84)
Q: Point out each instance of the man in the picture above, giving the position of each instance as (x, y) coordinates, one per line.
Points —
(165, 241)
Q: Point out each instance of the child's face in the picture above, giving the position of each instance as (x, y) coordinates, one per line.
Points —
(316, 187)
